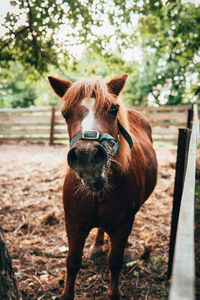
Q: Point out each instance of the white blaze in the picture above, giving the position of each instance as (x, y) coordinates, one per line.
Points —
(88, 121)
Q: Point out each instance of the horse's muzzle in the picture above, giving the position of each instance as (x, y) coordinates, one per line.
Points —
(87, 155)
(88, 160)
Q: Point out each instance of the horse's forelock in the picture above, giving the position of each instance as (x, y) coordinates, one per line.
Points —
(88, 88)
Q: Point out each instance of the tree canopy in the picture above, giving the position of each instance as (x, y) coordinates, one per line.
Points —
(165, 69)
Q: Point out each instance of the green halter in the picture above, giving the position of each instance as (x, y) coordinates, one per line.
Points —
(104, 138)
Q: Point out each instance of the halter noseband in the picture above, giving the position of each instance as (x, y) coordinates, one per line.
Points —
(104, 138)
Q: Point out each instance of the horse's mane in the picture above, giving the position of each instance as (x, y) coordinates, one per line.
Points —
(124, 154)
(96, 87)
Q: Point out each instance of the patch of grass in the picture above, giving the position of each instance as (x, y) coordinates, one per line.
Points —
(158, 263)
(164, 144)
(165, 295)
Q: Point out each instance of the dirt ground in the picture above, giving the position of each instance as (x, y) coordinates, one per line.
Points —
(31, 215)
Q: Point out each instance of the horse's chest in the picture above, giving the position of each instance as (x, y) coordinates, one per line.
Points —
(113, 211)
(98, 212)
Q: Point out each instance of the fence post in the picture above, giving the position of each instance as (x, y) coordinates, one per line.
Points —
(52, 126)
(190, 118)
(181, 164)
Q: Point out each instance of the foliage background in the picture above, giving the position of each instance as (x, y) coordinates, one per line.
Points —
(155, 42)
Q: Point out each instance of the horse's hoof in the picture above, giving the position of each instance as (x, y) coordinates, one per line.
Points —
(128, 257)
(113, 297)
(65, 297)
(116, 297)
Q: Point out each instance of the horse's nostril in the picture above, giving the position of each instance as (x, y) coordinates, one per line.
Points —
(99, 155)
(72, 157)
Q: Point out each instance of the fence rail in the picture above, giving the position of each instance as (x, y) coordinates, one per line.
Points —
(32, 124)
(47, 124)
(183, 269)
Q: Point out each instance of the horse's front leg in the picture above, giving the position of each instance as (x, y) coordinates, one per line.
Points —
(76, 240)
(118, 239)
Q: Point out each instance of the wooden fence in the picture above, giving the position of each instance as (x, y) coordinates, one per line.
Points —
(25, 124)
(47, 124)
(182, 259)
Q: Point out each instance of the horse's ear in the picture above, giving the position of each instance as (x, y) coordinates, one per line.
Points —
(116, 85)
(59, 86)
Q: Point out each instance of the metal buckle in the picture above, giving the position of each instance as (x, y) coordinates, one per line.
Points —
(89, 135)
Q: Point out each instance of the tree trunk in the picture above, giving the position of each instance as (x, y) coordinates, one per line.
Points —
(8, 285)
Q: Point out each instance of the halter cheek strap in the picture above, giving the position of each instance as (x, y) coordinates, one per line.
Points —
(125, 133)
(104, 138)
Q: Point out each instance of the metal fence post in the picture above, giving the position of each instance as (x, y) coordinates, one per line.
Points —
(181, 164)
(190, 118)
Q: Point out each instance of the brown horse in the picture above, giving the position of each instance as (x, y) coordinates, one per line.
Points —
(112, 171)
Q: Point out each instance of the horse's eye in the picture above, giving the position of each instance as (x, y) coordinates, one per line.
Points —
(114, 109)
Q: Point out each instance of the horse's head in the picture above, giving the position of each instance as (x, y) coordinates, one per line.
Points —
(90, 109)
